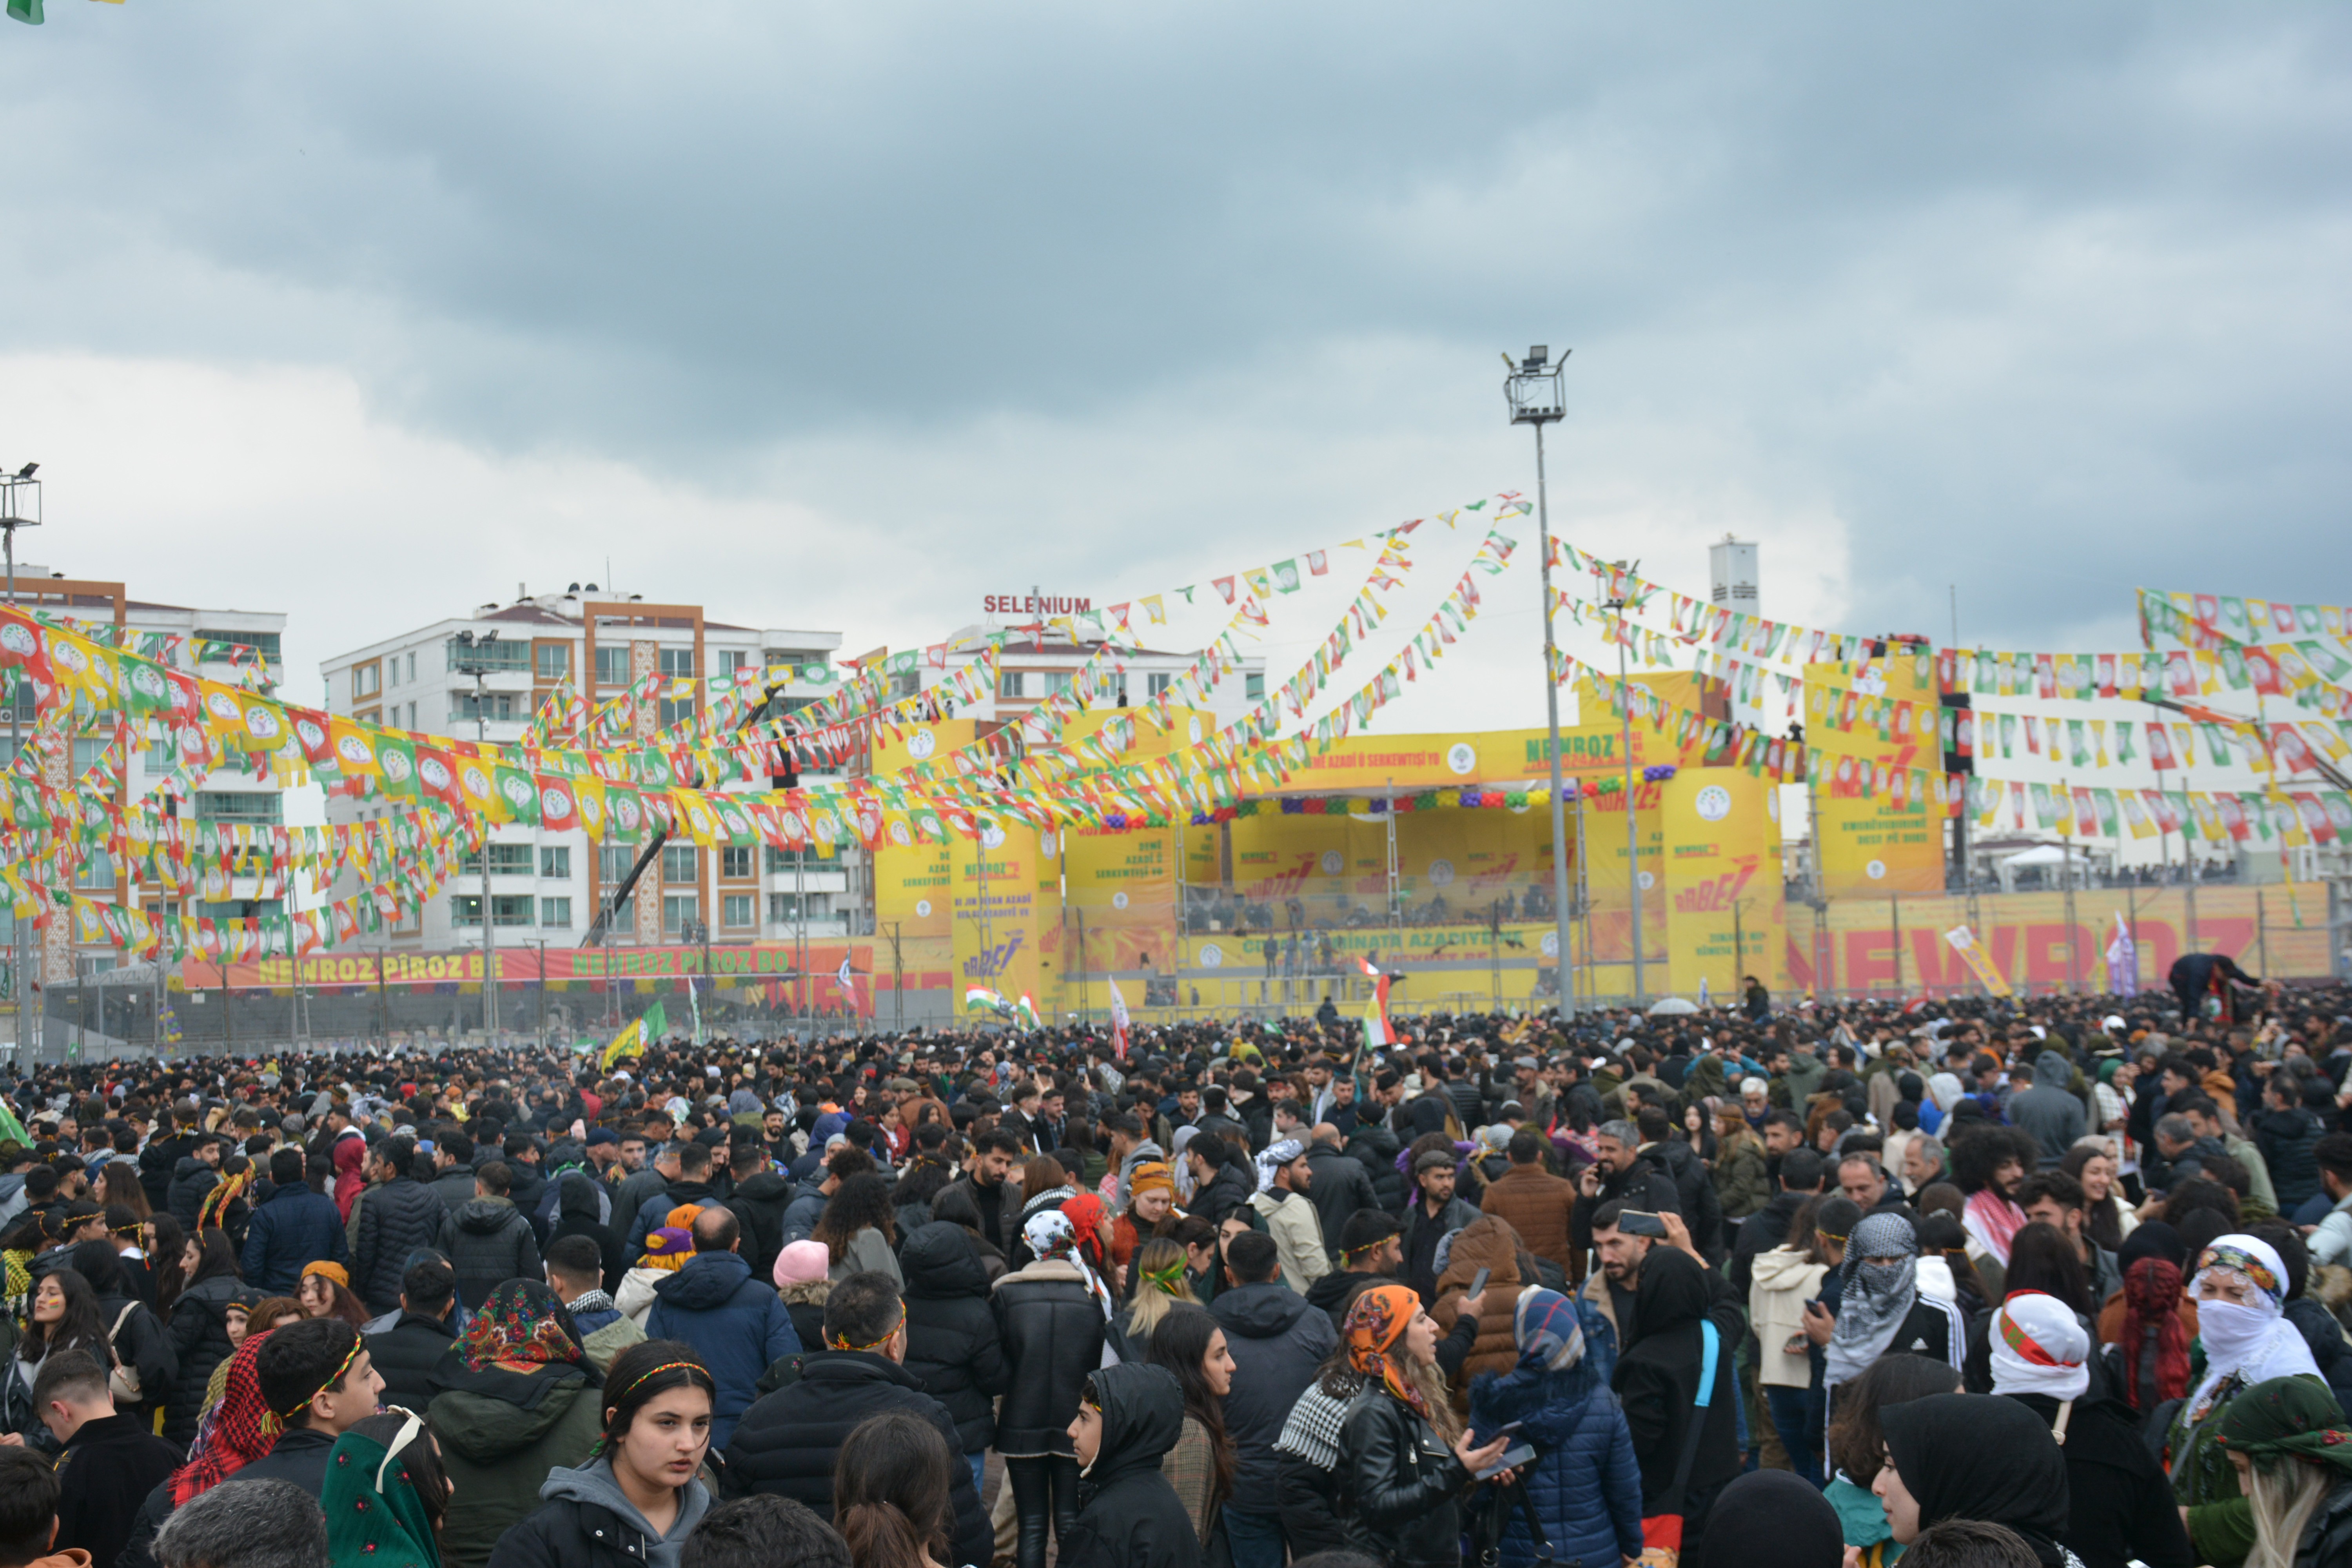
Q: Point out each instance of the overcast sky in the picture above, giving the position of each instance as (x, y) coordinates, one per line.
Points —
(844, 315)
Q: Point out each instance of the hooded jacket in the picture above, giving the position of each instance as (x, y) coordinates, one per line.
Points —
(952, 1346)
(1338, 1186)
(1485, 1242)
(1129, 1515)
(488, 1242)
(2048, 1110)
(786, 1444)
(1783, 1282)
(585, 1521)
(758, 1203)
(1701, 1208)
(736, 1323)
(1584, 1482)
(398, 1217)
(292, 1226)
(199, 1333)
(1298, 1234)
(1657, 1379)
(1277, 1340)
(502, 1434)
(1376, 1148)
(578, 1207)
(408, 1353)
(1221, 1193)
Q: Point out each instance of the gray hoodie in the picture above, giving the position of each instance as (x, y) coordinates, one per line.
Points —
(594, 1482)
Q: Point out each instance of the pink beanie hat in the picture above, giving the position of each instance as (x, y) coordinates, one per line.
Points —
(802, 1263)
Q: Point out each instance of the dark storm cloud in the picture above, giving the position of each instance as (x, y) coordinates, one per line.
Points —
(2044, 301)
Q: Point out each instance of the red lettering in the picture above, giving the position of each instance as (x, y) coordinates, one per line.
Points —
(1869, 959)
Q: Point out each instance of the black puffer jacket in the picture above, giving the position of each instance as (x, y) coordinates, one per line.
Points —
(1052, 1328)
(1226, 1191)
(1128, 1514)
(576, 1211)
(488, 1242)
(191, 1180)
(1277, 1339)
(1400, 1484)
(952, 1347)
(199, 1334)
(1376, 1149)
(1337, 1187)
(396, 1218)
(786, 1443)
(405, 1356)
(758, 1204)
(2286, 1138)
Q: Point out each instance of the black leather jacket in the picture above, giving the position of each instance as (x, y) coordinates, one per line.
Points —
(1401, 1485)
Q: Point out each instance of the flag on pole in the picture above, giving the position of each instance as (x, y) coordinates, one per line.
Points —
(11, 1130)
(849, 979)
(1377, 1031)
(631, 1041)
(1118, 1022)
(2123, 960)
(1027, 1012)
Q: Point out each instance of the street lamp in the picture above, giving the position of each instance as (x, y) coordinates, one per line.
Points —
(20, 507)
(1534, 390)
(471, 655)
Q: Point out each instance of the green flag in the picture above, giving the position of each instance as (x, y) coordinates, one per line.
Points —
(26, 11)
(11, 1130)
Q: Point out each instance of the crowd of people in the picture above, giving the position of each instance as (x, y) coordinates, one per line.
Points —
(2058, 1281)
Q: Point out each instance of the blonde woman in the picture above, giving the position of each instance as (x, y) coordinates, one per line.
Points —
(1160, 1287)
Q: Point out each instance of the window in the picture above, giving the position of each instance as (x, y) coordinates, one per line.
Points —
(680, 864)
(739, 912)
(392, 671)
(678, 661)
(99, 875)
(506, 909)
(612, 666)
(495, 706)
(251, 806)
(1057, 683)
(554, 660)
(493, 656)
(263, 643)
(87, 755)
(784, 909)
(1253, 686)
(793, 859)
(363, 679)
(1012, 683)
(614, 863)
(1158, 685)
(506, 860)
(678, 913)
(675, 711)
(732, 659)
(555, 912)
(411, 669)
(906, 684)
(555, 862)
(735, 862)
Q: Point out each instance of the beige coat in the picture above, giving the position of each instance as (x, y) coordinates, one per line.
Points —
(1780, 1282)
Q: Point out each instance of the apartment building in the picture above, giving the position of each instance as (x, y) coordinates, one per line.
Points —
(548, 886)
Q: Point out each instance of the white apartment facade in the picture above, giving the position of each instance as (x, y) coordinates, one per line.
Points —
(548, 886)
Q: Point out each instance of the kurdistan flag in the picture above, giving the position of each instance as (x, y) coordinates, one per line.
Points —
(631, 1041)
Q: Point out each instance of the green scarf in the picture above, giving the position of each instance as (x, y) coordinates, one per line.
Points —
(371, 1529)
(2287, 1415)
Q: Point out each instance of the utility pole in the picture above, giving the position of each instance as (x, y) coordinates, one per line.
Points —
(2067, 842)
(1633, 829)
(1533, 386)
(14, 490)
(476, 661)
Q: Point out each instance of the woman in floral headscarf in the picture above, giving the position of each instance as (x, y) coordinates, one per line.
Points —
(2240, 1290)
(516, 1399)
(1405, 1460)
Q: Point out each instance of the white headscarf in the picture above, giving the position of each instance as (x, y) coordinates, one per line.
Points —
(2249, 1343)
(1946, 1089)
(2038, 1348)
(1273, 1158)
(1179, 1166)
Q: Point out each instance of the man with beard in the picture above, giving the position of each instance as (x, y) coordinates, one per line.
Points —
(1436, 1215)
(1989, 1167)
(1611, 1289)
(1784, 1131)
(1620, 1174)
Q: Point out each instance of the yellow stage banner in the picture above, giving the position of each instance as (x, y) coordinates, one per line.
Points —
(1725, 896)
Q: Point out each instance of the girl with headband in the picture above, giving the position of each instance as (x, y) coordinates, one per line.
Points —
(636, 1501)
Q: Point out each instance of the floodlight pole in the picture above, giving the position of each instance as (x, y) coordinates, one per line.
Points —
(11, 520)
(474, 661)
(1533, 388)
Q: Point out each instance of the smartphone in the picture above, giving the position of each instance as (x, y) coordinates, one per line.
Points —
(1514, 1457)
(1478, 1280)
(1636, 1222)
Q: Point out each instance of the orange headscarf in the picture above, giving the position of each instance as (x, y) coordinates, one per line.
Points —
(1377, 1320)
